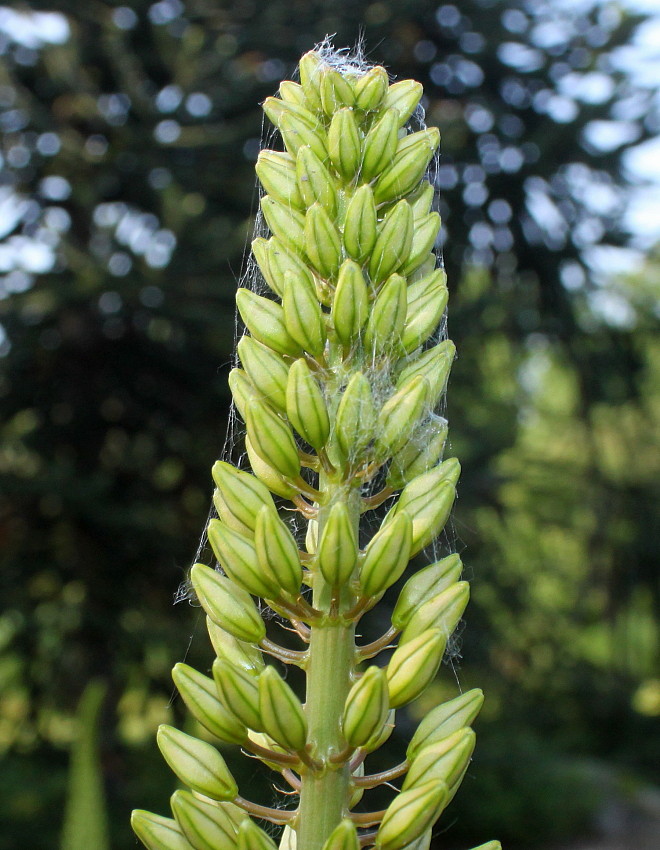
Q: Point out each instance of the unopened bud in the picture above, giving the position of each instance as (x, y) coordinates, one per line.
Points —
(356, 418)
(393, 244)
(201, 697)
(387, 317)
(442, 611)
(343, 837)
(444, 720)
(277, 172)
(240, 497)
(434, 365)
(314, 181)
(406, 170)
(404, 97)
(421, 199)
(310, 78)
(425, 311)
(350, 307)
(228, 605)
(296, 133)
(386, 556)
(337, 550)
(275, 260)
(267, 474)
(336, 91)
(247, 656)
(252, 837)
(322, 242)
(277, 109)
(370, 89)
(360, 224)
(306, 407)
(265, 321)
(272, 439)
(367, 707)
(280, 710)
(413, 666)
(277, 552)
(197, 764)
(425, 233)
(157, 832)
(292, 92)
(423, 451)
(424, 585)
(303, 317)
(344, 143)
(266, 369)
(205, 825)
(400, 415)
(238, 558)
(285, 223)
(380, 145)
(410, 814)
(445, 760)
(239, 692)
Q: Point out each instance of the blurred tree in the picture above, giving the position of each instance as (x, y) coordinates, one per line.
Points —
(129, 136)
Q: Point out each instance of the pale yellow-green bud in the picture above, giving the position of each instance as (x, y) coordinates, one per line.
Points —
(413, 666)
(196, 763)
(410, 162)
(322, 242)
(404, 97)
(314, 181)
(434, 365)
(423, 451)
(343, 837)
(344, 144)
(444, 720)
(305, 405)
(356, 418)
(425, 233)
(201, 698)
(386, 556)
(303, 317)
(240, 497)
(370, 89)
(380, 145)
(205, 824)
(266, 369)
(243, 390)
(277, 552)
(265, 321)
(275, 260)
(337, 551)
(428, 500)
(238, 558)
(410, 814)
(228, 605)
(239, 692)
(310, 69)
(277, 172)
(158, 833)
(424, 585)
(393, 243)
(367, 707)
(425, 308)
(296, 133)
(276, 109)
(267, 474)
(285, 223)
(442, 611)
(272, 439)
(247, 656)
(445, 760)
(421, 199)
(292, 92)
(252, 837)
(350, 307)
(360, 224)
(489, 845)
(387, 317)
(400, 415)
(280, 710)
(336, 91)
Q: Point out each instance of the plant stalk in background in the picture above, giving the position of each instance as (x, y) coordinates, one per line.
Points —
(340, 377)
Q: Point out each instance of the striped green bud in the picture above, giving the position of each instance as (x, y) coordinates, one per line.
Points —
(367, 707)
(274, 260)
(434, 365)
(343, 837)
(393, 244)
(305, 405)
(277, 552)
(444, 720)
(421, 843)
(442, 611)
(386, 556)
(237, 652)
(336, 91)
(238, 558)
(201, 698)
(356, 418)
(404, 97)
(277, 172)
(303, 316)
(205, 825)
(370, 89)
(314, 181)
(276, 109)
(344, 145)
(428, 500)
(265, 741)
(309, 68)
(296, 133)
(266, 369)
(400, 415)
(387, 316)
(292, 92)
(280, 710)
(267, 474)
(239, 692)
(158, 833)
(410, 814)
(445, 760)
(337, 550)
(408, 167)
(229, 606)
(360, 224)
(424, 585)
(425, 233)
(380, 145)
(272, 439)
(285, 223)
(242, 390)
(489, 845)
(427, 301)
(322, 242)
(252, 837)
(421, 199)
(265, 321)
(423, 452)
(350, 307)
(240, 497)
(413, 666)
(197, 764)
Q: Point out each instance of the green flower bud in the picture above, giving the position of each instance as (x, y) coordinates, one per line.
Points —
(383, 736)
(370, 89)
(238, 558)
(305, 406)
(267, 474)
(266, 369)
(336, 91)
(205, 825)
(444, 720)
(387, 316)
(276, 109)
(198, 764)
(272, 439)
(280, 710)
(350, 307)
(413, 666)
(380, 145)
(489, 845)
(424, 585)
(343, 837)
(242, 390)
(410, 814)
(310, 78)
(442, 611)
(158, 833)
(425, 233)
(296, 133)
(421, 199)
(386, 556)
(356, 418)
(423, 451)
(277, 172)
(237, 652)
(274, 261)
(434, 365)
(292, 93)
(265, 321)
(445, 760)
(240, 497)
(252, 837)
(408, 166)
(322, 242)
(421, 843)
(314, 181)
(337, 551)
(367, 707)
(303, 316)
(404, 97)
(400, 415)
(201, 698)
(360, 224)
(277, 552)
(428, 500)
(239, 692)
(424, 310)
(229, 606)
(395, 239)
(285, 223)
(344, 144)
